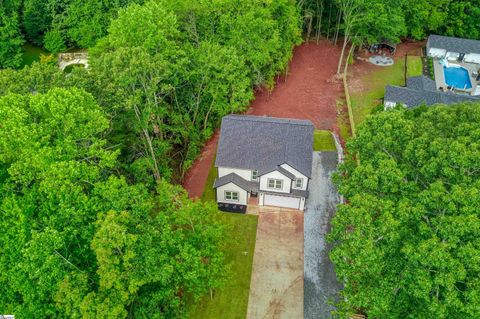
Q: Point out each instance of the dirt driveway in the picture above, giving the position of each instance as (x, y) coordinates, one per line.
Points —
(276, 288)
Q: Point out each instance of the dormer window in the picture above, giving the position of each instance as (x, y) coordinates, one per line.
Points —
(254, 175)
(298, 182)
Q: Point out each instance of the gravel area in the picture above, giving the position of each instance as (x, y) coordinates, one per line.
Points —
(321, 287)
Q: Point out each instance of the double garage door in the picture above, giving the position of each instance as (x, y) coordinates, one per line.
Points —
(281, 201)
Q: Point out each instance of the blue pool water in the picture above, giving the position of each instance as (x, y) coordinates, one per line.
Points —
(457, 77)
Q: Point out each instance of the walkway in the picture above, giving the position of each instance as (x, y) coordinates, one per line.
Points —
(276, 288)
(321, 285)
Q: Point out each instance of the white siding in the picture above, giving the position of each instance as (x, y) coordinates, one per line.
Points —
(437, 53)
(472, 58)
(391, 105)
(286, 185)
(243, 173)
(282, 201)
(297, 175)
(302, 203)
(242, 194)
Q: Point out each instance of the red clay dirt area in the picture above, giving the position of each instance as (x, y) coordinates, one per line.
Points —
(310, 92)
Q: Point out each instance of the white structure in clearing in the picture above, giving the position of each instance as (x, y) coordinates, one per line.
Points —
(263, 161)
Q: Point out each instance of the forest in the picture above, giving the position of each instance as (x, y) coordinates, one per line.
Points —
(58, 25)
(407, 244)
(95, 226)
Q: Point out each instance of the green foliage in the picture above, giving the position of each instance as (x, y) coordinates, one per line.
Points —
(54, 41)
(11, 40)
(407, 242)
(231, 301)
(171, 78)
(80, 242)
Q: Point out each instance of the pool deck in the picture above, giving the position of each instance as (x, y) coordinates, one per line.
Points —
(440, 77)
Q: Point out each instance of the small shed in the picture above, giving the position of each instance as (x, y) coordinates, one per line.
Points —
(383, 47)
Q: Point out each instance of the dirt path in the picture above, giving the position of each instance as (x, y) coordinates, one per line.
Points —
(196, 177)
(276, 288)
(308, 92)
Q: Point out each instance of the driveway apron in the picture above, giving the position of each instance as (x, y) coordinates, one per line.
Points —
(276, 289)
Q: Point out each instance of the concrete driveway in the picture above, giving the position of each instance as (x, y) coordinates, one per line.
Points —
(276, 289)
(321, 285)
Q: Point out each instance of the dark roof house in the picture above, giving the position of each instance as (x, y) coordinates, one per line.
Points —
(452, 44)
(264, 143)
(412, 97)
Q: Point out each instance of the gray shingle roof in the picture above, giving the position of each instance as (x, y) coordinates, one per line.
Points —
(453, 44)
(412, 98)
(421, 83)
(281, 170)
(237, 180)
(263, 143)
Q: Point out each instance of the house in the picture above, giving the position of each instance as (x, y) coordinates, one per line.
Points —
(456, 64)
(421, 90)
(263, 161)
(453, 49)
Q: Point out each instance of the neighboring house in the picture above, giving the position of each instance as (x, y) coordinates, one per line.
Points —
(421, 90)
(456, 64)
(263, 161)
(453, 49)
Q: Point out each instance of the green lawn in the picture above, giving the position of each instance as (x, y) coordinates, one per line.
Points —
(365, 101)
(232, 300)
(31, 54)
(209, 192)
(323, 141)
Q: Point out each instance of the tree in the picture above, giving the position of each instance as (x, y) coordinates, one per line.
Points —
(79, 241)
(11, 40)
(54, 41)
(407, 242)
(36, 20)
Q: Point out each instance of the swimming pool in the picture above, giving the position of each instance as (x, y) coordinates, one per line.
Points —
(457, 77)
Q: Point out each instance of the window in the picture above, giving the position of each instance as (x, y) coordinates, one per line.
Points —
(275, 183)
(298, 182)
(233, 196)
(254, 175)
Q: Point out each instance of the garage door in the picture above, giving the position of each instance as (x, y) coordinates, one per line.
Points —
(281, 201)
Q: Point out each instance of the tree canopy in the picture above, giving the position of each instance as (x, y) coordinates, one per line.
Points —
(77, 240)
(407, 242)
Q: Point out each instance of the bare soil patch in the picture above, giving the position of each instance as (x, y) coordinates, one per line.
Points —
(196, 177)
(309, 91)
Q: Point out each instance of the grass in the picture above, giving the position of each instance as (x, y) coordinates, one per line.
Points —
(323, 141)
(209, 191)
(232, 300)
(31, 53)
(365, 101)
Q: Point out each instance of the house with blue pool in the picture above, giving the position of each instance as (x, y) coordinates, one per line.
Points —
(456, 64)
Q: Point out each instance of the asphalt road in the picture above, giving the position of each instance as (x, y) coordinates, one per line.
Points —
(320, 283)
